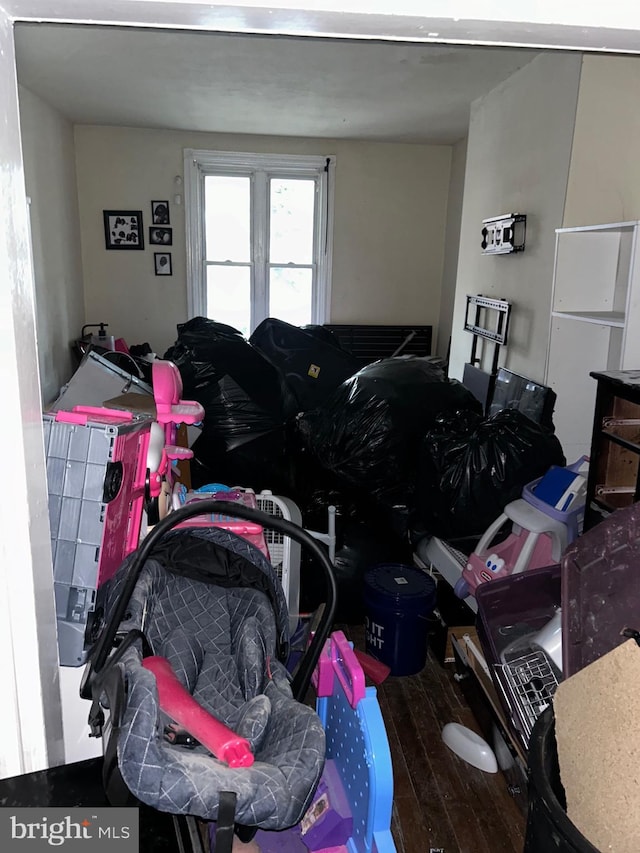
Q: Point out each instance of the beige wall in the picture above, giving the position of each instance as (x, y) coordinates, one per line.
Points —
(390, 219)
(604, 179)
(518, 158)
(49, 162)
(451, 246)
(390, 210)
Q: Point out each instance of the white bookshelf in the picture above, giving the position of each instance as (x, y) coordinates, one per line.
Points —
(595, 321)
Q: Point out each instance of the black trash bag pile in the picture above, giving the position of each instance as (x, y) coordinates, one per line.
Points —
(471, 467)
(310, 359)
(198, 348)
(246, 403)
(369, 431)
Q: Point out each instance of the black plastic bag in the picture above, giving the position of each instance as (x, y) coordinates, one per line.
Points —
(370, 429)
(206, 352)
(471, 468)
(325, 335)
(262, 463)
(312, 365)
(246, 404)
(202, 351)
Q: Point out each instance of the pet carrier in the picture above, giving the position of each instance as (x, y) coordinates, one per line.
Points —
(209, 606)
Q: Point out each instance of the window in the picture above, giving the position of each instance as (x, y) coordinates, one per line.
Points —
(258, 237)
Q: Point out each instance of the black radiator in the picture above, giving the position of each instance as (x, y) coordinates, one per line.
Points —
(369, 343)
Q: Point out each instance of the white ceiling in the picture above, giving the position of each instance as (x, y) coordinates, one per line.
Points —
(283, 86)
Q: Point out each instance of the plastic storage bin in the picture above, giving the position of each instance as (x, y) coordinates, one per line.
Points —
(398, 601)
(253, 533)
(96, 478)
(511, 613)
(600, 588)
(516, 606)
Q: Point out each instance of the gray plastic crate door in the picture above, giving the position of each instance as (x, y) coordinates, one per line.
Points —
(96, 475)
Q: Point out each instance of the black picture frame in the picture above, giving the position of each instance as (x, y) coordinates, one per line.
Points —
(160, 213)
(159, 236)
(123, 229)
(162, 263)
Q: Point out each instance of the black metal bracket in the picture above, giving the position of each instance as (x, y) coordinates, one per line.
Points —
(502, 235)
(481, 308)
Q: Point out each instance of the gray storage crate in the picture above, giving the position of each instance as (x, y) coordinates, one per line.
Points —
(96, 480)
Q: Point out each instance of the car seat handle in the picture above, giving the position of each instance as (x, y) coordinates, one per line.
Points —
(302, 678)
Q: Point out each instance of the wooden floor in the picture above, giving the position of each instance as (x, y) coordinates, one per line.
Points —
(440, 802)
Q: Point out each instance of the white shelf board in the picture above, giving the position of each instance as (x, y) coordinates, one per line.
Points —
(606, 226)
(602, 318)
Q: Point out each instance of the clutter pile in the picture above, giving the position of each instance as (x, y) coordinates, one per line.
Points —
(400, 450)
(168, 595)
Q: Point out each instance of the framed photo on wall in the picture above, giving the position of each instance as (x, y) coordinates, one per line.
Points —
(160, 212)
(160, 236)
(162, 263)
(123, 229)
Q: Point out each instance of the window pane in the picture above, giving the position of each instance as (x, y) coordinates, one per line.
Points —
(229, 296)
(291, 238)
(290, 295)
(227, 210)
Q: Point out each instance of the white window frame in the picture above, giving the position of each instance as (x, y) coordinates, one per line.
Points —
(259, 167)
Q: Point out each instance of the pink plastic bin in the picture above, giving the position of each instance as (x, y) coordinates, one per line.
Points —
(253, 533)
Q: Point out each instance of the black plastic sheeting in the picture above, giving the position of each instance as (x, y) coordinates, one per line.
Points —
(254, 396)
(310, 359)
(262, 463)
(246, 401)
(370, 429)
(470, 468)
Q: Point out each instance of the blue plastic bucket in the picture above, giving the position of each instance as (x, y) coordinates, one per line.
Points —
(398, 600)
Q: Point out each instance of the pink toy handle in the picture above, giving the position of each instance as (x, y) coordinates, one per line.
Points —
(242, 528)
(184, 412)
(167, 389)
(322, 677)
(81, 414)
(174, 452)
(339, 660)
(347, 668)
(180, 705)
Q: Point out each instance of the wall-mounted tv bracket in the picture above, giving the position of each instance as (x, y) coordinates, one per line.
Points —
(504, 234)
(488, 320)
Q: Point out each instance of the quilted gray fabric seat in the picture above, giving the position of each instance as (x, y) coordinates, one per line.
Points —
(224, 641)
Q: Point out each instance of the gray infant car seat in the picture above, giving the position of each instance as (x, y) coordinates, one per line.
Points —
(212, 605)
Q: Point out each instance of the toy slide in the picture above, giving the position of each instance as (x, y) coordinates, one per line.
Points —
(351, 809)
(357, 742)
(180, 705)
